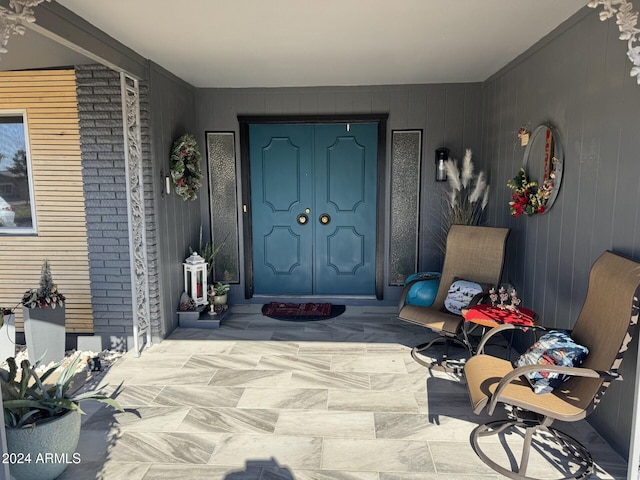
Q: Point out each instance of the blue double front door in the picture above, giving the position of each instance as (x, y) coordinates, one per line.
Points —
(313, 208)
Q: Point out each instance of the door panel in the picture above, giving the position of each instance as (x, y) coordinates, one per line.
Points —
(346, 190)
(280, 190)
(329, 174)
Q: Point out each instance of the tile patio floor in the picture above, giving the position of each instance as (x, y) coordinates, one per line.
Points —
(267, 399)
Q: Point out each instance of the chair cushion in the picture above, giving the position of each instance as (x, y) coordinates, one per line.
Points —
(555, 347)
(461, 293)
(440, 322)
(484, 372)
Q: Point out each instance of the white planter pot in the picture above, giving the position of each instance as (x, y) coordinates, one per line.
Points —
(57, 438)
(8, 337)
(44, 333)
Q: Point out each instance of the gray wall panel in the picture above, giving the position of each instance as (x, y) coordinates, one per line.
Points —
(448, 115)
(416, 108)
(178, 221)
(578, 79)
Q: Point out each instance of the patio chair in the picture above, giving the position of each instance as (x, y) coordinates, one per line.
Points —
(604, 326)
(473, 253)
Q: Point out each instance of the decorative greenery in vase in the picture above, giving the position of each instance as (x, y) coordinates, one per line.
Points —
(218, 297)
(185, 167)
(466, 198)
(47, 294)
(220, 289)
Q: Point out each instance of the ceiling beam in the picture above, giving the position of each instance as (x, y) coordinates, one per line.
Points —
(67, 28)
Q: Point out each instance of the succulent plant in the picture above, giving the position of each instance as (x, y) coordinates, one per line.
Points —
(27, 400)
(220, 288)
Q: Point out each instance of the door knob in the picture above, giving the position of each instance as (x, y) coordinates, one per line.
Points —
(325, 219)
(303, 219)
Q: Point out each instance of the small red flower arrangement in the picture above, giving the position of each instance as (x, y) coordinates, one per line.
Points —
(528, 197)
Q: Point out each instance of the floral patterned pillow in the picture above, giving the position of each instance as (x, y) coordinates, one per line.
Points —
(555, 347)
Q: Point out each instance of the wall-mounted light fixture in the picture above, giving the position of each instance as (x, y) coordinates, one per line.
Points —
(166, 184)
(442, 155)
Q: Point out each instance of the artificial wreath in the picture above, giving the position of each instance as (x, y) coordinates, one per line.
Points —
(528, 197)
(185, 167)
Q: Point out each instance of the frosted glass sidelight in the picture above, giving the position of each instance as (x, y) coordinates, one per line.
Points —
(221, 160)
(406, 156)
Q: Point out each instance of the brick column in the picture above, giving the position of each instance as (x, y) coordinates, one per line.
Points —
(102, 143)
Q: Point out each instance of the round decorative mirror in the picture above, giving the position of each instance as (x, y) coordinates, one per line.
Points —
(542, 163)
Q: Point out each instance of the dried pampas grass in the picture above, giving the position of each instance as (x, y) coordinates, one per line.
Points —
(465, 200)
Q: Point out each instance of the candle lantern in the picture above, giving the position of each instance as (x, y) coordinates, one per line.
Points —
(195, 278)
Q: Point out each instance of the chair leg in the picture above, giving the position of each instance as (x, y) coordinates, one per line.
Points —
(526, 450)
(441, 365)
(578, 456)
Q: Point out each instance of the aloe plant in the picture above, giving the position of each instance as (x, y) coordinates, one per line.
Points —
(28, 400)
(220, 289)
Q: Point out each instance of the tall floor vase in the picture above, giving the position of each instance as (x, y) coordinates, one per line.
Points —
(44, 332)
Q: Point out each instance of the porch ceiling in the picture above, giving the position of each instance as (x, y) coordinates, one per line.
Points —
(272, 43)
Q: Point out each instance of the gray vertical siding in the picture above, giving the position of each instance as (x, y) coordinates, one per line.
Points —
(178, 221)
(448, 114)
(577, 79)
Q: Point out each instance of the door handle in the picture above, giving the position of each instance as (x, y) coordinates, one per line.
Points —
(303, 219)
(325, 219)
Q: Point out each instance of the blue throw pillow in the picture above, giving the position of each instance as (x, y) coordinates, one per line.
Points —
(555, 347)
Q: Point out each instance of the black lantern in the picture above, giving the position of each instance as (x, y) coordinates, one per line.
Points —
(442, 155)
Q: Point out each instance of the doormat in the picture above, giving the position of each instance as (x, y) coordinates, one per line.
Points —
(302, 311)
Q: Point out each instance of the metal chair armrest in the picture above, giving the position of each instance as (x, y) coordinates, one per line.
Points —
(520, 371)
(502, 328)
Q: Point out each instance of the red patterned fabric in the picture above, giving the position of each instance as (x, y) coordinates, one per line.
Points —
(490, 316)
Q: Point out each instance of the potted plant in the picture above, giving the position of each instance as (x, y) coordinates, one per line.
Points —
(44, 326)
(218, 298)
(42, 422)
(220, 291)
(7, 333)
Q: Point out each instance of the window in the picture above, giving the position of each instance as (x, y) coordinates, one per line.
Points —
(17, 214)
